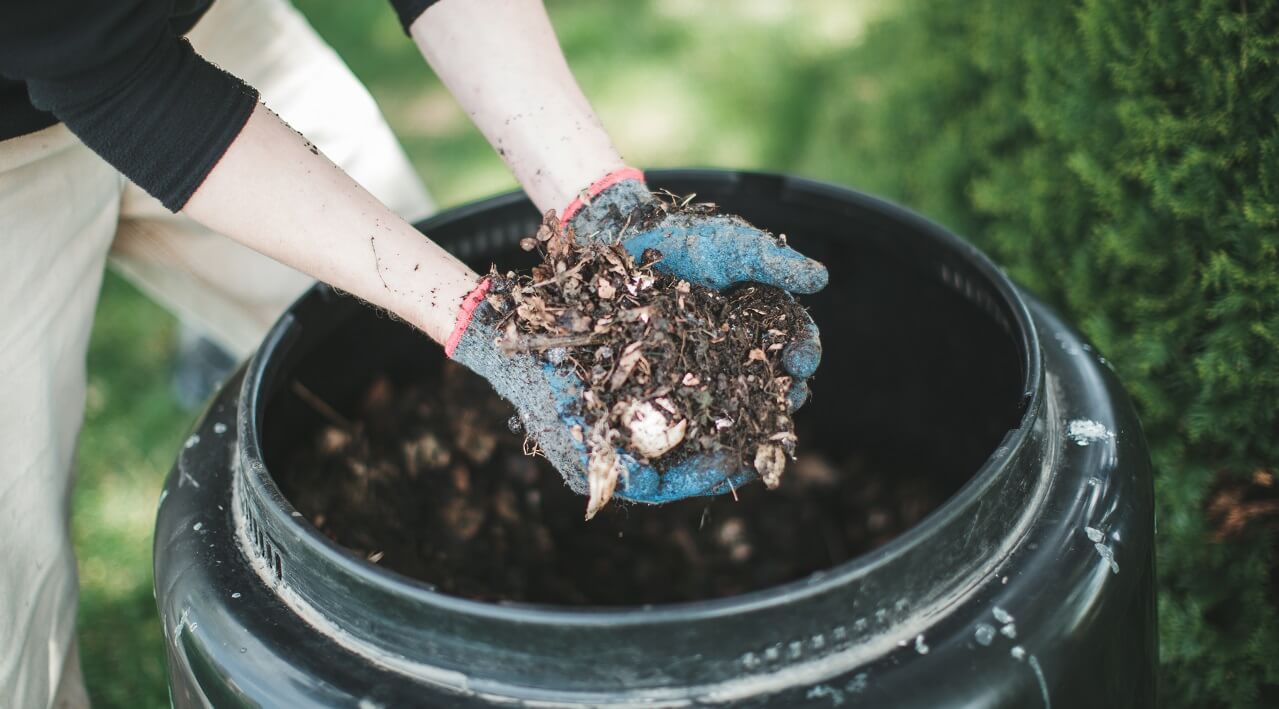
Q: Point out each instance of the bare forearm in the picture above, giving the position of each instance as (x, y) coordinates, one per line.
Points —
(276, 193)
(502, 62)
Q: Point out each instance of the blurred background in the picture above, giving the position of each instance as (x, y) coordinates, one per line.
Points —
(1120, 158)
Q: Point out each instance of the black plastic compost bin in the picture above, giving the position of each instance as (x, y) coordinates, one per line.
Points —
(1031, 585)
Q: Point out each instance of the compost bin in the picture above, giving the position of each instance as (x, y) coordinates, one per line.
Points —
(972, 526)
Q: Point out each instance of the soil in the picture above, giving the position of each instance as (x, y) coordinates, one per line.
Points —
(426, 478)
(669, 369)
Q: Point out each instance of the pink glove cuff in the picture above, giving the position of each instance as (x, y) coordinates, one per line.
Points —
(605, 182)
(464, 315)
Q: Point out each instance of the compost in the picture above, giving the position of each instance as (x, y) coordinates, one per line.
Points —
(668, 369)
(426, 477)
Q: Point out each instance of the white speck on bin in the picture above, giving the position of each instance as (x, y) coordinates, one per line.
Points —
(1107, 555)
(1085, 432)
(822, 691)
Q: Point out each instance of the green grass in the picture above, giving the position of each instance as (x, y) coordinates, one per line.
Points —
(132, 429)
(679, 82)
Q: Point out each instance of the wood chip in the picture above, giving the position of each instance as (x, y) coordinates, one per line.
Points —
(653, 432)
(602, 471)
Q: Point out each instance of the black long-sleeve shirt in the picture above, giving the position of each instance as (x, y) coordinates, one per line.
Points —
(120, 75)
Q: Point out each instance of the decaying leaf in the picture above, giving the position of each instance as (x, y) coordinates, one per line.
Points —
(630, 359)
(532, 310)
(617, 261)
(642, 314)
(575, 321)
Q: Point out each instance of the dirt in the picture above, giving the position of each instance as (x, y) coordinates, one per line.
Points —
(669, 369)
(426, 478)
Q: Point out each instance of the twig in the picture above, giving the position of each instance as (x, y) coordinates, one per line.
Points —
(322, 407)
(559, 276)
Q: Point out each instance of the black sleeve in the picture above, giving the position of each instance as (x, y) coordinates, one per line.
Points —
(124, 81)
(410, 10)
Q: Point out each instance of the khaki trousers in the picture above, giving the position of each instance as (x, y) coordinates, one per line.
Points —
(63, 214)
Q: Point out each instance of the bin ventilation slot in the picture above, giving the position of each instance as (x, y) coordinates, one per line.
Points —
(266, 549)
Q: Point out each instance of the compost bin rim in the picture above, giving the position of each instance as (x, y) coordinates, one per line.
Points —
(262, 486)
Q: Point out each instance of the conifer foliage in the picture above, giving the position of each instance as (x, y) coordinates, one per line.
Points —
(1121, 159)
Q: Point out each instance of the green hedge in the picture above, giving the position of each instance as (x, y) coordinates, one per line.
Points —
(1120, 158)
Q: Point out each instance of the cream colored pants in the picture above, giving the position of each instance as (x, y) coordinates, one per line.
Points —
(63, 214)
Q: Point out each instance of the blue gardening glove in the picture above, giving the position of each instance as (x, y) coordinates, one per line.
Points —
(716, 251)
(545, 395)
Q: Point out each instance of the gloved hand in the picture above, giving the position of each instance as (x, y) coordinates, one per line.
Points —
(711, 250)
(545, 395)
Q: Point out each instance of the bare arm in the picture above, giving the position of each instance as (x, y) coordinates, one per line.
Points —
(502, 62)
(274, 192)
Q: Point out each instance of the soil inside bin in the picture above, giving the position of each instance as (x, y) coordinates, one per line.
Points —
(428, 480)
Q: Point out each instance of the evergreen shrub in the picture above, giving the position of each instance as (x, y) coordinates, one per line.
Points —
(1121, 159)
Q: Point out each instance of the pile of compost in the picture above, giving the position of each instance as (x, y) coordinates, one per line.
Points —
(423, 476)
(668, 369)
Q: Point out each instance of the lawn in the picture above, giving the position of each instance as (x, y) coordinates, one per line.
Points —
(678, 82)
